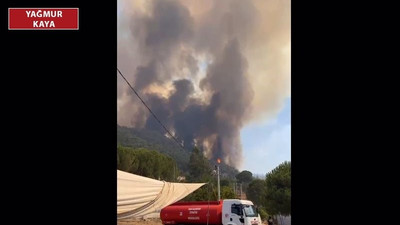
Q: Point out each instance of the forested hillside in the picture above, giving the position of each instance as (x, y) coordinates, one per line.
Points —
(154, 140)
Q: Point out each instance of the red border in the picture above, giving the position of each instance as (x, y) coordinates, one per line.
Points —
(77, 9)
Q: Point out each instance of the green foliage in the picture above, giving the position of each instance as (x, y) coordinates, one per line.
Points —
(226, 172)
(256, 191)
(278, 192)
(225, 182)
(154, 140)
(199, 167)
(148, 139)
(227, 192)
(207, 192)
(126, 161)
(146, 163)
(245, 176)
(263, 213)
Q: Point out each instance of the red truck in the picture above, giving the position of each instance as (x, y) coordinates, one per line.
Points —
(224, 212)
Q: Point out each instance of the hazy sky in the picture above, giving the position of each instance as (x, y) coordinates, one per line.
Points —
(216, 72)
(268, 143)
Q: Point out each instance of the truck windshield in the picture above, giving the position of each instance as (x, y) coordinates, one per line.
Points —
(250, 210)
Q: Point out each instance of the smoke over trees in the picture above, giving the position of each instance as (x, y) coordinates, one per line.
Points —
(197, 65)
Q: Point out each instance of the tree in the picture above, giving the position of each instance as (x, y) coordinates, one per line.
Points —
(227, 193)
(245, 176)
(263, 214)
(278, 190)
(199, 167)
(125, 160)
(225, 182)
(256, 191)
(149, 139)
(146, 163)
(206, 193)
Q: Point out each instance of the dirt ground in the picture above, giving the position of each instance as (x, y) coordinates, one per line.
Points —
(144, 222)
(140, 222)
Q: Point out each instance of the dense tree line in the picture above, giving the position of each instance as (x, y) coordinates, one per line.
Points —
(201, 171)
(155, 140)
(149, 139)
(148, 163)
(272, 195)
(278, 190)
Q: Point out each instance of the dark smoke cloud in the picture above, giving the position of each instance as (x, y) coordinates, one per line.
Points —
(181, 96)
(160, 33)
(170, 38)
(221, 118)
(227, 78)
(169, 24)
(146, 75)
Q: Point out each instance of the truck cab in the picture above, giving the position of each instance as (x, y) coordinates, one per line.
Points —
(239, 212)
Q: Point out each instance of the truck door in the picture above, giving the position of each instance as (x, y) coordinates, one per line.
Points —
(251, 215)
(236, 215)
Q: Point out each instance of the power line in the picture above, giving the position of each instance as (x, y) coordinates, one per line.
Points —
(154, 115)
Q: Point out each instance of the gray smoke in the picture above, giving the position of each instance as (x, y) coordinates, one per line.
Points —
(187, 61)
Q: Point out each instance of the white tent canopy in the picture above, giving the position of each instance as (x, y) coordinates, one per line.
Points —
(138, 196)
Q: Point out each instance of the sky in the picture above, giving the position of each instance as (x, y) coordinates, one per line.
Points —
(216, 72)
(267, 144)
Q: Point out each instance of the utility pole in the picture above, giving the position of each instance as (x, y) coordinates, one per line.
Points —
(219, 191)
(236, 189)
(240, 190)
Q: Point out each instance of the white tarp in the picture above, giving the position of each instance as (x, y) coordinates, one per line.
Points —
(138, 196)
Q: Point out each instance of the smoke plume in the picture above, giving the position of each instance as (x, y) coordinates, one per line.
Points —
(205, 68)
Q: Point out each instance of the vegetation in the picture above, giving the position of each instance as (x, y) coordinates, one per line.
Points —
(256, 191)
(154, 140)
(244, 177)
(278, 190)
(227, 192)
(149, 153)
(205, 193)
(272, 195)
(200, 170)
(146, 163)
(199, 167)
(263, 213)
